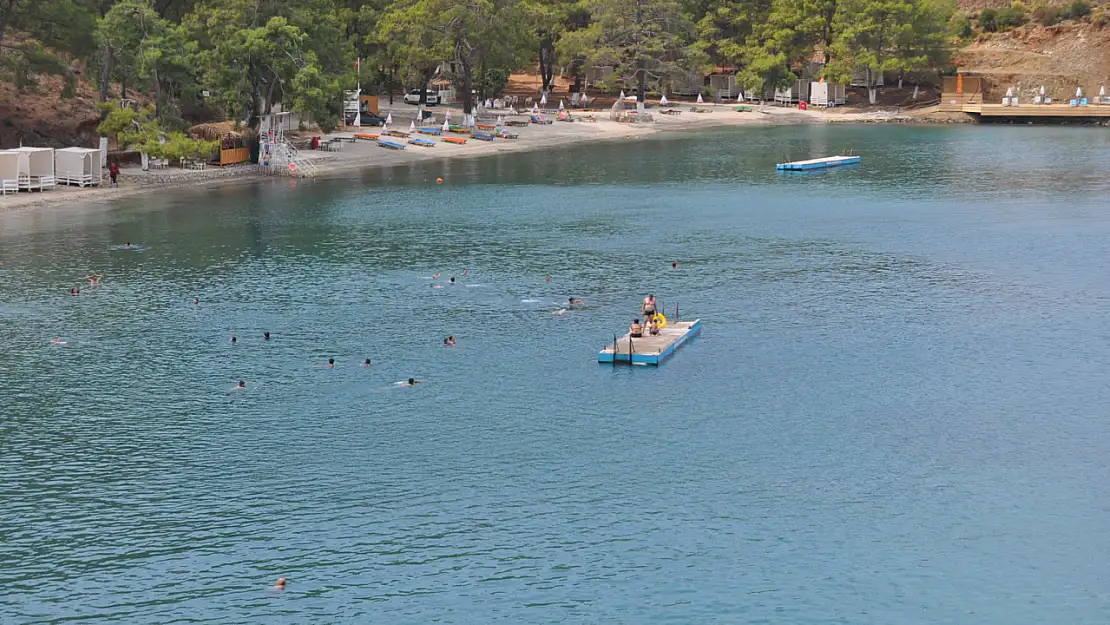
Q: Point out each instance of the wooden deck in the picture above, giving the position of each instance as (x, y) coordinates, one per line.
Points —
(650, 350)
(973, 103)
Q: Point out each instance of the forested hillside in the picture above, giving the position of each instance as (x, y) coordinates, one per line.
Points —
(196, 60)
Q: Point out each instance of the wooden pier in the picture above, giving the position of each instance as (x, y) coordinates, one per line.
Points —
(818, 163)
(650, 350)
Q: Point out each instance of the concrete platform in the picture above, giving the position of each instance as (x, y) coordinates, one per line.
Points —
(650, 350)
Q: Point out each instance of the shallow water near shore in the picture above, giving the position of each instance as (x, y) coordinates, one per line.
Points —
(896, 412)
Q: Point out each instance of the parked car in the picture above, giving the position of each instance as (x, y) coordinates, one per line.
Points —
(366, 119)
(413, 97)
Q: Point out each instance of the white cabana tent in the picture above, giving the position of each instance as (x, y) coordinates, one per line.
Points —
(9, 172)
(78, 166)
(36, 168)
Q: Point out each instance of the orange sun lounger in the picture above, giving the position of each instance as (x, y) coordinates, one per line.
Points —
(455, 140)
(366, 137)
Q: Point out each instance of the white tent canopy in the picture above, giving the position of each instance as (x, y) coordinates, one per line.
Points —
(79, 166)
(9, 171)
(36, 168)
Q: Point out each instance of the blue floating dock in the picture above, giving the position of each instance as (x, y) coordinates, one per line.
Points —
(650, 350)
(818, 163)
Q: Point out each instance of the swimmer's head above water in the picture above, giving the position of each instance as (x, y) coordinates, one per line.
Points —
(265, 336)
(331, 363)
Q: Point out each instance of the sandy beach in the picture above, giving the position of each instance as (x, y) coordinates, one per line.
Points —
(367, 154)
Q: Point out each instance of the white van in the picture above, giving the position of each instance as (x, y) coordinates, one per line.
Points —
(413, 97)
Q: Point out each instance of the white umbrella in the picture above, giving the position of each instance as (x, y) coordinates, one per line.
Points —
(1101, 91)
(412, 126)
(543, 99)
(663, 100)
(535, 108)
(1010, 92)
(447, 117)
(1079, 92)
(389, 120)
(700, 101)
(561, 104)
(500, 121)
(622, 94)
(446, 126)
(583, 100)
(1042, 91)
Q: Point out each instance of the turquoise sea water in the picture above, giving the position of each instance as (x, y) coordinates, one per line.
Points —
(897, 412)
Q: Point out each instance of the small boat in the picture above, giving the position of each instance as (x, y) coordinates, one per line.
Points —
(424, 143)
(481, 136)
(455, 140)
(819, 163)
(391, 145)
(365, 136)
(430, 131)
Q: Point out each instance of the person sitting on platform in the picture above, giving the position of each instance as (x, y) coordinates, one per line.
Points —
(636, 330)
(652, 327)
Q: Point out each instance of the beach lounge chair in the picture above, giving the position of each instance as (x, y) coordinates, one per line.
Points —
(538, 119)
(430, 131)
(454, 140)
(396, 133)
(1073, 102)
(505, 134)
(671, 111)
(517, 123)
(366, 136)
(459, 130)
(481, 136)
(391, 145)
(487, 127)
(424, 143)
(1083, 102)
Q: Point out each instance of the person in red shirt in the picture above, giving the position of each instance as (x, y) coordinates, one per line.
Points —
(113, 173)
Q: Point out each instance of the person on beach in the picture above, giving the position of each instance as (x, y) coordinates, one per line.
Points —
(240, 386)
(113, 173)
(636, 330)
(648, 307)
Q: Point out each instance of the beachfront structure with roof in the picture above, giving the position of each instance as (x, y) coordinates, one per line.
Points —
(36, 168)
(78, 166)
(9, 172)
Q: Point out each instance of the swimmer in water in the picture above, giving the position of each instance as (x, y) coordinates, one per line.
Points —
(128, 244)
(280, 585)
(75, 291)
(196, 302)
(466, 272)
(265, 336)
(435, 276)
(94, 279)
(366, 363)
(547, 278)
(674, 264)
(331, 363)
(411, 382)
(573, 301)
(451, 340)
(232, 341)
(452, 280)
(58, 342)
(240, 386)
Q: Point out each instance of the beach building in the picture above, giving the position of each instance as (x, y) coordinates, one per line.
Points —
(9, 172)
(78, 166)
(36, 168)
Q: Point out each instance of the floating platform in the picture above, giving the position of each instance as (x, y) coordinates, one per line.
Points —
(818, 163)
(650, 350)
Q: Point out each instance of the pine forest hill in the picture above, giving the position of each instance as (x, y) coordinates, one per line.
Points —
(203, 60)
